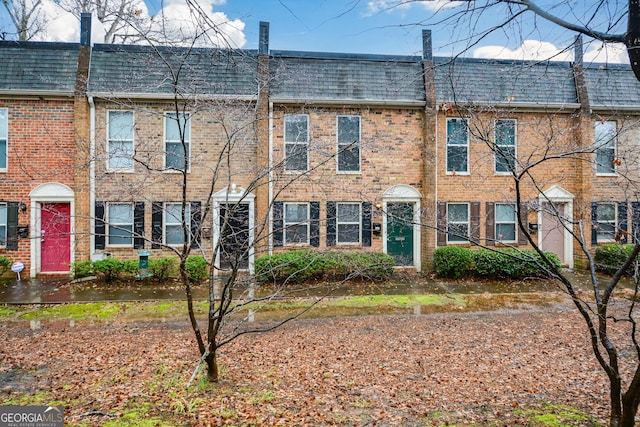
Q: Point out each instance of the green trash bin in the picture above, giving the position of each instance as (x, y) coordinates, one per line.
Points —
(143, 266)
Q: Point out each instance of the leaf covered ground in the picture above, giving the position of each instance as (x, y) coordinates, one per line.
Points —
(518, 366)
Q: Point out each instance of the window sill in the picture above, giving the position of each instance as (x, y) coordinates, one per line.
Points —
(348, 172)
(110, 171)
(607, 174)
(452, 173)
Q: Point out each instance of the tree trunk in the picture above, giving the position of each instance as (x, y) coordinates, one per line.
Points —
(632, 39)
(212, 366)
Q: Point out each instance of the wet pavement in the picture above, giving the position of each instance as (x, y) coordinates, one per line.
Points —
(57, 291)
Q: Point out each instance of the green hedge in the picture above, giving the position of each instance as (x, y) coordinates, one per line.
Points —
(298, 266)
(162, 269)
(610, 257)
(455, 262)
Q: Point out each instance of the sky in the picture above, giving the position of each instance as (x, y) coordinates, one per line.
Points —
(392, 27)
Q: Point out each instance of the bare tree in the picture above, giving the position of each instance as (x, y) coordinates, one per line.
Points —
(26, 16)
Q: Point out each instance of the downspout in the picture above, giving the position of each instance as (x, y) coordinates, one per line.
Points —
(270, 186)
(92, 175)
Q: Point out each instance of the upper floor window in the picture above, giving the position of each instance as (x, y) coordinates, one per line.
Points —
(606, 222)
(120, 221)
(120, 140)
(348, 223)
(173, 227)
(177, 137)
(296, 142)
(505, 147)
(505, 222)
(605, 147)
(457, 145)
(296, 223)
(3, 224)
(348, 143)
(457, 222)
(4, 137)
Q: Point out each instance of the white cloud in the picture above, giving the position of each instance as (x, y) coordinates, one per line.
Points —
(176, 21)
(540, 50)
(389, 6)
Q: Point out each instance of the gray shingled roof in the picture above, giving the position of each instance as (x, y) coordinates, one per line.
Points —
(38, 67)
(317, 77)
(612, 86)
(140, 70)
(487, 81)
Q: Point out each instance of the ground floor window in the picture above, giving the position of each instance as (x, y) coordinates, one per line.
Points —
(457, 222)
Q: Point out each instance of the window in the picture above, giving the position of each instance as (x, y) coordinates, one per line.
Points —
(348, 222)
(605, 147)
(296, 142)
(457, 145)
(606, 225)
(505, 149)
(296, 223)
(348, 143)
(173, 230)
(120, 220)
(3, 224)
(457, 222)
(505, 222)
(4, 136)
(177, 130)
(120, 140)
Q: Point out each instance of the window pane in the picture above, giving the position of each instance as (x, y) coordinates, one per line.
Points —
(605, 146)
(120, 234)
(348, 233)
(3, 153)
(296, 212)
(457, 232)
(456, 159)
(505, 132)
(505, 212)
(4, 123)
(457, 132)
(606, 212)
(349, 212)
(296, 234)
(604, 161)
(458, 212)
(505, 159)
(121, 125)
(174, 235)
(172, 127)
(120, 155)
(348, 129)
(175, 156)
(349, 158)
(120, 214)
(295, 128)
(296, 157)
(506, 232)
(3, 224)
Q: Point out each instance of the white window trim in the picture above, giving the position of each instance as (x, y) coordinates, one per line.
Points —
(468, 222)
(165, 223)
(359, 223)
(284, 137)
(109, 224)
(615, 148)
(164, 140)
(514, 223)
(133, 142)
(614, 222)
(515, 145)
(359, 171)
(6, 141)
(307, 223)
(467, 172)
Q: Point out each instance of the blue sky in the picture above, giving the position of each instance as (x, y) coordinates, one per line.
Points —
(383, 26)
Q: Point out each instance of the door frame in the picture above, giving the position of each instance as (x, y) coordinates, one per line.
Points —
(558, 195)
(232, 195)
(51, 192)
(402, 193)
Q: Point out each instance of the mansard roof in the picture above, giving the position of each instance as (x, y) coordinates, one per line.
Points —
(500, 82)
(38, 67)
(138, 71)
(345, 78)
(612, 86)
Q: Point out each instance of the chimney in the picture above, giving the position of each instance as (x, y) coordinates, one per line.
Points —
(85, 29)
(263, 42)
(427, 53)
(578, 52)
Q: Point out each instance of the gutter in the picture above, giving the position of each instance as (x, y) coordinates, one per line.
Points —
(398, 103)
(169, 96)
(30, 94)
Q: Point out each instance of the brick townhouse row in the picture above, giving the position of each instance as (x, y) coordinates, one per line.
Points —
(307, 150)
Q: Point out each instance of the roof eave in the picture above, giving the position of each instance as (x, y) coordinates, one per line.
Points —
(332, 101)
(170, 96)
(35, 93)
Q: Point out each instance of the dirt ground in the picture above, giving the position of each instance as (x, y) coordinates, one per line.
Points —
(503, 368)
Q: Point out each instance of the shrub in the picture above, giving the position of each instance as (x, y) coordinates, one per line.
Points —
(80, 269)
(131, 266)
(511, 264)
(163, 268)
(109, 268)
(5, 263)
(610, 257)
(452, 261)
(196, 267)
(302, 265)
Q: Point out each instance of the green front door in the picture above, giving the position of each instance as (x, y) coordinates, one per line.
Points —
(400, 232)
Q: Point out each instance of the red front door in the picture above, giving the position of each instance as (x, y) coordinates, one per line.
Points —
(55, 240)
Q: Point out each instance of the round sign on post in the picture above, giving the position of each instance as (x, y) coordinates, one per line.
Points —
(17, 267)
